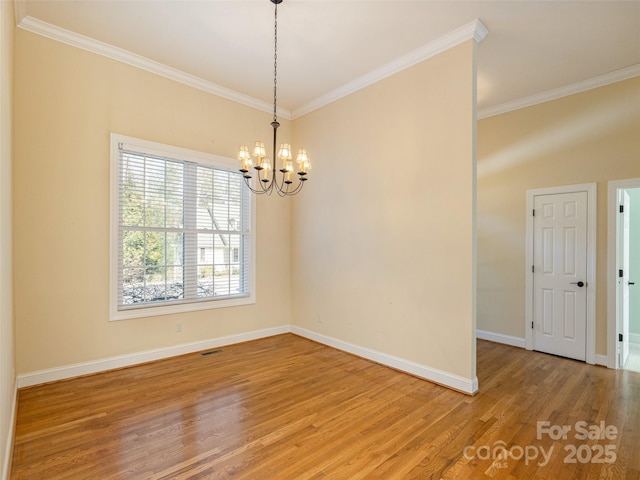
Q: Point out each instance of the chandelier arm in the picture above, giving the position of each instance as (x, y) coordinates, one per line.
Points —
(247, 182)
(284, 189)
(290, 193)
(298, 188)
(253, 190)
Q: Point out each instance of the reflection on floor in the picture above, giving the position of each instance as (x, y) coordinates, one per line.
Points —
(633, 360)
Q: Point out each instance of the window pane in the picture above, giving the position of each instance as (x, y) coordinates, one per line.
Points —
(154, 192)
(221, 282)
(205, 198)
(174, 195)
(133, 286)
(154, 249)
(221, 251)
(234, 244)
(132, 248)
(175, 249)
(205, 249)
(132, 190)
(235, 204)
(175, 285)
(154, 288)
(205, 281)
(220, 200)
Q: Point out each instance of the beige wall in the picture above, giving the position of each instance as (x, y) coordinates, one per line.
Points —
(67, 101)
(588, 137)
(383, 236)
(7, 356)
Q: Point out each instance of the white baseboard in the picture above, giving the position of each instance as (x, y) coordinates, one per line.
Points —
(69, 371)
(520, 342)
(500, 338)
(8, 452)
(85, 368)
(433, 375)
(602, 360)
(437, 376)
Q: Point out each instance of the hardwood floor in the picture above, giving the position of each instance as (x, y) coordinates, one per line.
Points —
(288, 408)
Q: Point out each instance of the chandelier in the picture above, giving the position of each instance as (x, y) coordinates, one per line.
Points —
(269, 180)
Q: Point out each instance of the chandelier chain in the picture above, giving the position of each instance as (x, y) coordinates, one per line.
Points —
(275, 63)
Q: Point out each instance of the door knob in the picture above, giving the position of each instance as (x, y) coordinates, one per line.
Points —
(580, 284)
(631, 283)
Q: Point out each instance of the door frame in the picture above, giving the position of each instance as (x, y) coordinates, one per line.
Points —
(591, 190)
(613, 320)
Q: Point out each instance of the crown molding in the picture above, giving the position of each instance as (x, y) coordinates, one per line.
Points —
(473, 30)
(68, 37)
(589, 84)
(19, 10)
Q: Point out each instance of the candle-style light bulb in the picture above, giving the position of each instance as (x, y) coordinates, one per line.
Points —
(284, 153)
(304, 161)
(245, 158)
(259, 150)
(266, 167)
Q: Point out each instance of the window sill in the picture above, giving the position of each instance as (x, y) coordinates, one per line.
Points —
(149, 311)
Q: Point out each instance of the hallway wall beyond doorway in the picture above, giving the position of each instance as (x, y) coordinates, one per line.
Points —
(634, 266)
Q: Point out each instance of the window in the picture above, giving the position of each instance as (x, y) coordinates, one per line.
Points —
(182, 231)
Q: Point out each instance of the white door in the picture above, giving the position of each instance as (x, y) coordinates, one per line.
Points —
(625, 214)
(560, 274)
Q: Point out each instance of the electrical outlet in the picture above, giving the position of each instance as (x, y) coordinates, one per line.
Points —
(178, 326)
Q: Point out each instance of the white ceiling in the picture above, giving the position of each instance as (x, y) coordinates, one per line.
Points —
(532, 46)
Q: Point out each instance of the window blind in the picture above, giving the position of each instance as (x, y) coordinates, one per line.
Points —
(184, 231)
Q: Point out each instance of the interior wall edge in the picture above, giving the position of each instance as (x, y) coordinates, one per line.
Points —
(11, 433)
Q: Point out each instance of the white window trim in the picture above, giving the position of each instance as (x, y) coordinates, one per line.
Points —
(183, 154)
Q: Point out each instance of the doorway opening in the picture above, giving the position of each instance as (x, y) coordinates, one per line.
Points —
(624, 275)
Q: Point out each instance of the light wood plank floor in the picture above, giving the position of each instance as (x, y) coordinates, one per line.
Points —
(287, 408)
